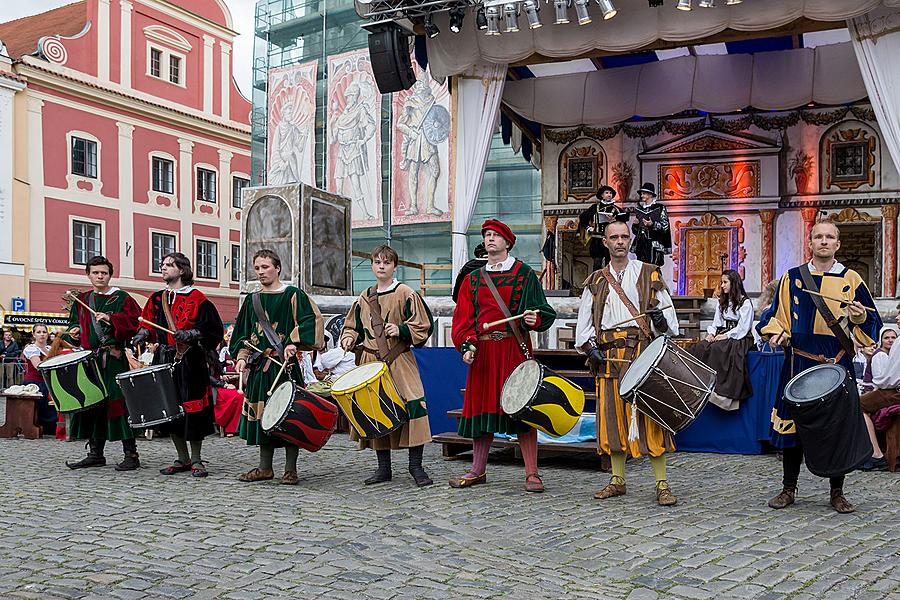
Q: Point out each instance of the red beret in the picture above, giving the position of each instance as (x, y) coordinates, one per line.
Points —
(501, 228)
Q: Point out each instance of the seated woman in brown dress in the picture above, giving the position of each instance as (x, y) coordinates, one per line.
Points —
(727, 343)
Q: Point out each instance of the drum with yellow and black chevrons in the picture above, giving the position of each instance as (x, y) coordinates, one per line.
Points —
(369, 399)
(539, 397)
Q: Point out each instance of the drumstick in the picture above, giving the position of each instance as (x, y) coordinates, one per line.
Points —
(152, 324)
(255, 349)
(277, 377)
(74, 298)
(634, 318)
(848, 301)
(507, 319)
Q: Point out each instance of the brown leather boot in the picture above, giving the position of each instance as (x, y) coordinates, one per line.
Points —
(664, 496)
(611, 490)
(784, 499)
(840, 503)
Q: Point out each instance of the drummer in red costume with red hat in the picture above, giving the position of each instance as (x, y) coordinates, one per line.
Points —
(493, 353)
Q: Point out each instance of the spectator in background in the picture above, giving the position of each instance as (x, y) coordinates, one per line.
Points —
(8, 346)
(866, 355)
(34, 354)
(885, 371)
(476, 263)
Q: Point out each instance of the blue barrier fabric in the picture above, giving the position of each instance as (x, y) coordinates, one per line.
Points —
(443, 375)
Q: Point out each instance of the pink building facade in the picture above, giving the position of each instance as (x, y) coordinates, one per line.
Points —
(138, 144)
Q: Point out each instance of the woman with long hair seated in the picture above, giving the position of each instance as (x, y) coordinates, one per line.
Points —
(728, 340)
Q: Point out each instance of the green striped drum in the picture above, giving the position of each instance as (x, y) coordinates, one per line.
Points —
(74, 381)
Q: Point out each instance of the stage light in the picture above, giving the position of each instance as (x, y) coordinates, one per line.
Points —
(532, 8)
(608, 8)
(456, 19)
(581, 11)
(493, 21)
(431, 30)
(481, 20)
(562, 11)
(511, 17)
(655, 3)
(684, 5)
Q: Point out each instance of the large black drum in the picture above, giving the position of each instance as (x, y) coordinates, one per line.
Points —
(150, 395)
(824, 404)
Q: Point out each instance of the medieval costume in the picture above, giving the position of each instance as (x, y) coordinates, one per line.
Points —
(187, 310)
(292, 318)
(651, 243)
(728, 357)
(812, 342)
(364, 327)
(498, 353)
(609, 298)
(592, 225)
(108, 420)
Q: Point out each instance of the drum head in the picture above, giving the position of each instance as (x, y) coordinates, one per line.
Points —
(642, 365)
(144, 371)
(277, 404)
(65, 359)
(356, 378)
(520, 386)
(815, 383)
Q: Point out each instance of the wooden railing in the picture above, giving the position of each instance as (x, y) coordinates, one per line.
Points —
(423, 268)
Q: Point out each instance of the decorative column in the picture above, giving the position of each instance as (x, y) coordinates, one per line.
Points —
(37, 238)
(224, 217)
(186, 195)
(226, 80)
(207, 71)
(126, 199)
(889, 262)
(767, 268)
(809, 219)
(8, 89)
(125, 7)
(103, 40)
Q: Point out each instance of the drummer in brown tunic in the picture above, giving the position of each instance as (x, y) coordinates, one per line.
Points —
(624, 288)
(386, 322)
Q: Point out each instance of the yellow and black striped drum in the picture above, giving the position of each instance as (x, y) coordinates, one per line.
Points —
(539, 397)
(369, 399)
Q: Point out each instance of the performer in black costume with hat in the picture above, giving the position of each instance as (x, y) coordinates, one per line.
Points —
(592, 223)
(652, 235)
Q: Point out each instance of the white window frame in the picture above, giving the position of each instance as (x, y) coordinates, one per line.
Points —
(150, 232)
(233, 263)
(197, 240)
(171, 159)
(91, 138)
(71, 235)
(235, 175)
(165, 53)
(207, 167)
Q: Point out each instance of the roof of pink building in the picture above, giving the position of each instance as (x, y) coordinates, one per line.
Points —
(21, 35)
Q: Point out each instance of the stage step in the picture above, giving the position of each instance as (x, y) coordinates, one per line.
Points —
(454, 445)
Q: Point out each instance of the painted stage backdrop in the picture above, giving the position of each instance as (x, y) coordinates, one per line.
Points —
(292, 124)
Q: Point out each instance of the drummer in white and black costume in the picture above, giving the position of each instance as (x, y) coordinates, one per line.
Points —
(602, 308)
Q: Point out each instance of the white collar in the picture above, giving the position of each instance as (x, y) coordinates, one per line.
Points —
(506, 265)
(837, 267)
(281, 288)
(182, 290)
(390, 288)
(109, 292)
(627, 268)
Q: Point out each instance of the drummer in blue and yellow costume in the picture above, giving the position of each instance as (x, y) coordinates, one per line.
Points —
(793, 322)
(296, 321)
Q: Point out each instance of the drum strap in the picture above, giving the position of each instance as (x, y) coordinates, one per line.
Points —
(180, 349)
(833, 324)
(384, 354)
(98, 328)
(632, 310)
(263, 319)
(505, 310)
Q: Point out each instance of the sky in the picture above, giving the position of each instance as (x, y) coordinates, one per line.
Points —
(241, 14)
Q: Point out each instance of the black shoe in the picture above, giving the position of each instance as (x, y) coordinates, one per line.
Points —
(381, 475)
(874, 464)
(90, 460)
(421, 477)
(132, 462)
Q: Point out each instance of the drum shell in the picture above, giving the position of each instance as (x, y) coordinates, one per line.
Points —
(75, 386)
(307, 422)
(150, 396)
(375, 408)
(831, 429)
(554, 407)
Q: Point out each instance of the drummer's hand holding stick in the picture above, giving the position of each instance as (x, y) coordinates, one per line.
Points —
(240, 366)
(391, 330)
(778, 339)
(289, 351)
(140, 337)
(530, 317)
(856, 311)
(596, 358)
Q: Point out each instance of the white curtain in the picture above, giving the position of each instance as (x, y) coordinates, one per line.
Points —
(476, 110)
(876, 39)
(634, 27)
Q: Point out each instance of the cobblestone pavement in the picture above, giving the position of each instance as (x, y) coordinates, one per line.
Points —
(97, 533)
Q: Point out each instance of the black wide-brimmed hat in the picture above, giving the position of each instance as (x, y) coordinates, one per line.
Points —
(648, 188)
(604, 188)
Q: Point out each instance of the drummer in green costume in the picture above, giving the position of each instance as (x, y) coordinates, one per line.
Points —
(296, 325)
(106, 332)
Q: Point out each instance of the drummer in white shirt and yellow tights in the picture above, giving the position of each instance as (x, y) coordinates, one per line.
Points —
(625, 288)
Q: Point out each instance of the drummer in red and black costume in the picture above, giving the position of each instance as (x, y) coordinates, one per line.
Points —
(793, 321)
(604, 331)
(198, 330)
(495, 353)
(107, 333)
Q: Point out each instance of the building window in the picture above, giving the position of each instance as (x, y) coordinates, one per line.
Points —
(155, 62)
(206, 185)
(84, 157)
(206, 259)
(237, 184)
(849, 161)
(161, 244)
(175, 69)
(163, 175)
(235, 262)
(86, 241)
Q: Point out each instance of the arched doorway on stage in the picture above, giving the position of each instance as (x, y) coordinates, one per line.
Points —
(861, 245)
(703, 248)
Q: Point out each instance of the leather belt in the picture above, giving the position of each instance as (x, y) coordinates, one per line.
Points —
(819, 358)
(495, 336)
(618, 343)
